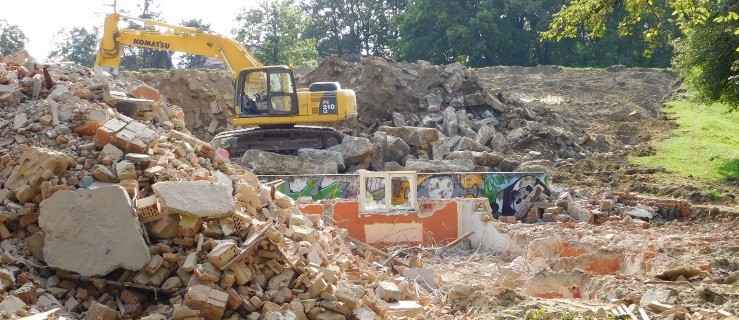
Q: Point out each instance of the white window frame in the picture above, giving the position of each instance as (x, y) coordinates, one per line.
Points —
(387, 177)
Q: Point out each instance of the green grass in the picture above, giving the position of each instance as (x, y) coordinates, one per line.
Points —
(705, 144)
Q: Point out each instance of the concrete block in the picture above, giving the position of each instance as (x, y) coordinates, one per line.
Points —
(195, 198)
(350, 294)
(92, 232)
(388, 291)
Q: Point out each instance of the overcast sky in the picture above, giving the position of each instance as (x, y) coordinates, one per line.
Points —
(41, 20)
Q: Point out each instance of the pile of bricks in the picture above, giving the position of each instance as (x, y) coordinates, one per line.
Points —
(252, 255)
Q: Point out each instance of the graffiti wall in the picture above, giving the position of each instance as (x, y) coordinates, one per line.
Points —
(506, 191)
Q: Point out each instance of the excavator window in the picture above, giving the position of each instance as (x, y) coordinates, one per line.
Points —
(280, 89)
(268, 91)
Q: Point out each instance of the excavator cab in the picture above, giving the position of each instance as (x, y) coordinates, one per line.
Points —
(266, 91)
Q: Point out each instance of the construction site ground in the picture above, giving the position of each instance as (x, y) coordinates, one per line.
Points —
(255, 255)
(625, 105)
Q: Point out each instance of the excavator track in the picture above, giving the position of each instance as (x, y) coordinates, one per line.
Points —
(285, 140)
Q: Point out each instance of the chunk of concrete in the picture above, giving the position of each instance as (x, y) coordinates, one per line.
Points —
(413, 136)
(265, 162)
(356, 150)
(462, 165)
(11, 304)
(324, 155)
(92, 232)
(487, 159)
(388, 291)
(350, 294)
(201, 199)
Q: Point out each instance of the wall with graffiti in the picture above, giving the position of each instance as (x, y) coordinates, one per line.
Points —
(506, 191)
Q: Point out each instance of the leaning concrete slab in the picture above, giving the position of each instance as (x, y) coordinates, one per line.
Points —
(92, 232)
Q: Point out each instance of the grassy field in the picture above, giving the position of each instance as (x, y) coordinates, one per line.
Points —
(705, 145)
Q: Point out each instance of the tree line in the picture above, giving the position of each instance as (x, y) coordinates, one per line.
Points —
(698, 37)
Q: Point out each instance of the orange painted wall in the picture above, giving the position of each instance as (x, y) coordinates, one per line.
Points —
(438, 227)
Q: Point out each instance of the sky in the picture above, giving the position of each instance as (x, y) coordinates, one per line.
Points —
(41, 20)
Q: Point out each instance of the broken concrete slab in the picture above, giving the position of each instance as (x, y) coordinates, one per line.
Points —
(356, 150)
(265, 162)
(324, 155)
(92, 232)
(414, 136)
(487, 159)
(201, 199)
(462, 165)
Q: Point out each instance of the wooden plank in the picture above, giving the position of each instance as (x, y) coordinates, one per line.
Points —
(119, 284)
(627, 311)
(374, 250)
(249, 245)
(456, 242)
(643, 314)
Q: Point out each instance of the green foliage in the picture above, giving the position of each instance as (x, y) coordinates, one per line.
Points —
(444, 32)
(192, 61)
(508, 32)
(354, 26)
(709, 55)
(539, 314)
(273, 32)
(568, 315)
(12, 38)
(706, 34)
(77, 44)
(706, 134)
(714, 195)
(136, 58)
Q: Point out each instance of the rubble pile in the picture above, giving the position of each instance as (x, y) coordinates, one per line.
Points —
(623, 269)
(493, 117)
(205, 96)
(418, 116)
(106, 216)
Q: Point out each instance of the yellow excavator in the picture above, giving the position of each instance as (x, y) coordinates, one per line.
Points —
(266, 99)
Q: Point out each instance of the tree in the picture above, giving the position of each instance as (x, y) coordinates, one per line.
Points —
(273, 32)
(354, 26)
(706, 45)
(12, 38)
(78, 45)
(708, 56)
(136, 58)
(443, 32)
(191, 61)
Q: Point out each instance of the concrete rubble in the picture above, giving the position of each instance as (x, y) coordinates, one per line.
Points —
(105, 215)
(430, 112)
(112, 205)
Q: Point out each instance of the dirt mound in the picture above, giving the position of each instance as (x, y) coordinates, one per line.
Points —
(384, 86)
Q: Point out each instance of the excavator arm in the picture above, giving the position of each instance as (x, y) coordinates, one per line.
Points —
(182, 39)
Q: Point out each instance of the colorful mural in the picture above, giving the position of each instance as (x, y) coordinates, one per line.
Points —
(319, 187)
(505, 191)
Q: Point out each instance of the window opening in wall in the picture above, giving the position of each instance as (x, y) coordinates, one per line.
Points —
(388, 192)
